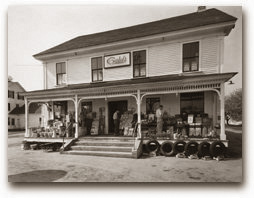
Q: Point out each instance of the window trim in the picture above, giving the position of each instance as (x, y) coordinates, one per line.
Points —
(102, 69)
(65, 62)
(199, 56)
(146, 63)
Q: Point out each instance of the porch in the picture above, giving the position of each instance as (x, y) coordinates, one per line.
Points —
(135, 92)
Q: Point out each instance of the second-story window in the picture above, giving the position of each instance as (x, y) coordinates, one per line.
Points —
(191, 57)
(97, 73)
(60, 73)
(10, 94)
(139, 63)
(9, 106)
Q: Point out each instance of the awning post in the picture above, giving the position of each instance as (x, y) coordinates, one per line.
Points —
(222, 112)
(139, 113)
(76, 116)
(26, 118)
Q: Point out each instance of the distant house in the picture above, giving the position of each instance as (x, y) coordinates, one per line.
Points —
(16, 108)
(16, 119)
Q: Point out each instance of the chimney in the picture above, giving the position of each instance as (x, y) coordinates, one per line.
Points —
(201, 8)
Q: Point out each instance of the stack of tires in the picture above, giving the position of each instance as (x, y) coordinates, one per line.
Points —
(180, 147)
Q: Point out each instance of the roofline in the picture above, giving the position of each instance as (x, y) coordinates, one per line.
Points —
(230, 24)
(19, 85)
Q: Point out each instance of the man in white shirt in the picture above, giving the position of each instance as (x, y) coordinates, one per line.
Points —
(159, 115)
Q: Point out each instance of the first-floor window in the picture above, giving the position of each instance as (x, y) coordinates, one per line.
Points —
(192, 103)
(96, 65)
(20, 97)
(12, 121)
(61, 73)
(152, 104)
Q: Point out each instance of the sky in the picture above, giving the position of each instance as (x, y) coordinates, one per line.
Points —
(32, 29)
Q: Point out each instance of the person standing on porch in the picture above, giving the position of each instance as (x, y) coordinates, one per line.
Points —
(116, 122)
(159, 116)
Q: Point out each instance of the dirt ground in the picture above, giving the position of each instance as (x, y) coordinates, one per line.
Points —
(40, 166)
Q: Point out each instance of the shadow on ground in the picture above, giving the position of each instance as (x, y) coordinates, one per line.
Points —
(37, 176)
(235, 144)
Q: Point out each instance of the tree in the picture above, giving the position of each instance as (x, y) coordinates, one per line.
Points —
(233, 105)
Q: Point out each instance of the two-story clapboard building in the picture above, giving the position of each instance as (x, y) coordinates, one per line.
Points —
(175, 62)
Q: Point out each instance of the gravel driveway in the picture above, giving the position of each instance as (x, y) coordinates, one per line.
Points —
(40, 166)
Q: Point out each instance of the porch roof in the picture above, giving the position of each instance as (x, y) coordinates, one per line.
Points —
(134, 84)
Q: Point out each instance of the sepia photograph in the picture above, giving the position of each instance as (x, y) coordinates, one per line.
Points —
(124, 93)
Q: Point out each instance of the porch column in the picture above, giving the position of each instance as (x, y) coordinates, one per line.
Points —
(222, 112)
(26, 118)
(106, 116)
(76, 116)
(139, 113)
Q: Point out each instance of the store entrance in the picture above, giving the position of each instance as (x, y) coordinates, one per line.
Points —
(122, 106)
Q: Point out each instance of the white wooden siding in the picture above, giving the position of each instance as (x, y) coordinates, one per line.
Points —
(79, 71)
(51, 75)
(164, 59)
(209, 55)
(117, 73)
(208, 101)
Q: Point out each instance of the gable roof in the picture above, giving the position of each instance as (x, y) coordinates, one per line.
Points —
(12, 84)
(192, 20)
(33, 108)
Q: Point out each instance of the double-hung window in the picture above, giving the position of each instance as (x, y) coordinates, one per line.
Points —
(10, 94)
(12, 121)
(61, 73)
(191, 57)
(97, 73)
(139, 63)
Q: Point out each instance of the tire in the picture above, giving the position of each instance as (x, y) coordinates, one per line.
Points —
(167, 148)
(178, 146)
(152, 145)
(191, 148)
(204, 149)
(217, 148)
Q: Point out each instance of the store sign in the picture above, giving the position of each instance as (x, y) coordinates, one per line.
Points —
(117, 60)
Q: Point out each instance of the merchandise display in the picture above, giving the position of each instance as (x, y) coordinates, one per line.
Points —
(95, 127)
(181, 127)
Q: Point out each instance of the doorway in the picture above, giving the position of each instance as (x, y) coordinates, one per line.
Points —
(122, 106)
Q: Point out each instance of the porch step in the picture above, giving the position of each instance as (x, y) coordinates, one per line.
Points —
(106, 143)
(100, 153)
(114, 139)
(103, 146)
